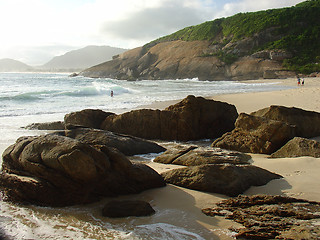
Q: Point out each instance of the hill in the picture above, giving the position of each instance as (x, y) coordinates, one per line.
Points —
(270, 44)
(10, 65)
(82, 58)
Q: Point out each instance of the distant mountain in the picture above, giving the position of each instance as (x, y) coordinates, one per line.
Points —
(10, 65)
(82, 58)
(274, 43)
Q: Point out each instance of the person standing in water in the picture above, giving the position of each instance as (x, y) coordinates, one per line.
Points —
(111, 93)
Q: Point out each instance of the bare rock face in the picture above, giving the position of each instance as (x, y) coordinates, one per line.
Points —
(55, 170)
(225, 179)
(191, 119)
(119, 209)
(307, 122)
(128, 145)
(256, 135)
(270, 217)
(193, 156)
(298, 147)
(90, 118)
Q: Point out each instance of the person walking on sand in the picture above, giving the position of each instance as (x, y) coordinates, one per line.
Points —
(302, 82)
(298, 81)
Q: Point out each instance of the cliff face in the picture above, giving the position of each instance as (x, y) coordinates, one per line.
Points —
(183, 59)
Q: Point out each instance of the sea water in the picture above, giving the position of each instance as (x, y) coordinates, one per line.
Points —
(26, 98)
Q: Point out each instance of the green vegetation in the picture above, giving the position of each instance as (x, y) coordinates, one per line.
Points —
(296, 29)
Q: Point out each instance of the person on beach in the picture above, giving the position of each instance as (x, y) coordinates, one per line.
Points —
(298, 81)
(111, 93)
(302, 82)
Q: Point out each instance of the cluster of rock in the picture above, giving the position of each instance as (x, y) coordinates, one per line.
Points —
(86, 161)
(66, 168)
(270, 217)
(269, 129)
(191, 119)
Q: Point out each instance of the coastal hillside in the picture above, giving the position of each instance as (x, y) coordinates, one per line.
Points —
(82, 58)
(10, 65)
(274, 43)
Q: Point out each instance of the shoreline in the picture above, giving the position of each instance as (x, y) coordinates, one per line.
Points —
(181, 207)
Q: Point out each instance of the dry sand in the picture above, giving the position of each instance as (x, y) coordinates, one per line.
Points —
(301, 175)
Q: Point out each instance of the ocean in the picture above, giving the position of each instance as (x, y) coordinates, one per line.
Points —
(27, 98)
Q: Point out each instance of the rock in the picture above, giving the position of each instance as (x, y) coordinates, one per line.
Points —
(90, 118)
(53, 170)
(58, 125)
(225, 179)
(306, 122)
(193, 156)
(270, 217)
(126, 144)
(191, 119)
(298, 147)
(74, 75)
(256, 135)
(119, 209)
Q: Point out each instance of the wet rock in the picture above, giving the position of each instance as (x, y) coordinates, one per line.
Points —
(307, 122)
(193, 156)
(191, 119)
(119, 209)
(298, 147)
(256, 135)
(126, 144)
(226, 179)
(90, 118)
(55, 170)
(270, 217)
(58, 125)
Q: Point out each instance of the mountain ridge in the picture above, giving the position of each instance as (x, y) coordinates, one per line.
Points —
(274, 43)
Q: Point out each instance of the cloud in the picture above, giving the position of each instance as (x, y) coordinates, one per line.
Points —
(154, 22)
(254, 5)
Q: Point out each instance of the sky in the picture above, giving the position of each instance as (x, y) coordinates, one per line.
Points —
(34, 31)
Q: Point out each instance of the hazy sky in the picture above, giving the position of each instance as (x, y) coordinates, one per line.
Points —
(33, 31)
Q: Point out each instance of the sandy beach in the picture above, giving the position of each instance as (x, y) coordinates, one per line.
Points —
(178, 210)
(301, 175)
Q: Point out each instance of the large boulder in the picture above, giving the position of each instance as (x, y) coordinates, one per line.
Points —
(298, 147)
(126, 144)
(225, 179)
(192, 118)
(307, 122)
(127, 208)
(270, 217)
(256, 135)
(55, 170)
(193, 156)
(90, 118)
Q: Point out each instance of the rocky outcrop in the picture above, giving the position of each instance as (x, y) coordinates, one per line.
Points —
(270, 217)
(128, 145)
(55, 170)
(307, 122)
(192, 59)
(119, 209)
(192, 118)
(256, 135)
(90, 118)
(298, 147)
(193, 156)
(225, 179)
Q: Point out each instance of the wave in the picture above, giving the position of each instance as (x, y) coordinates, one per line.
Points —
(160, 231)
